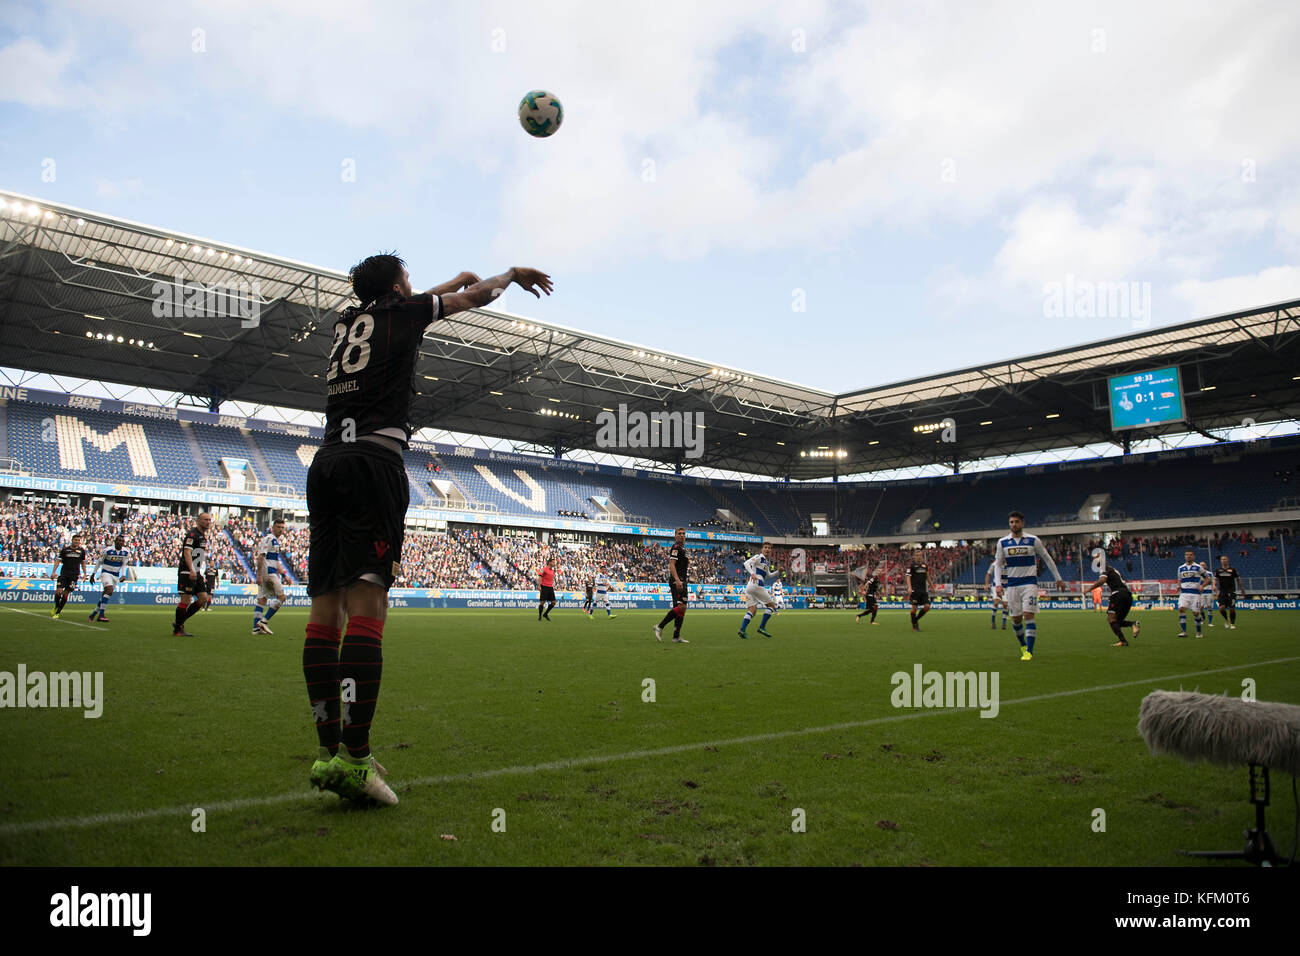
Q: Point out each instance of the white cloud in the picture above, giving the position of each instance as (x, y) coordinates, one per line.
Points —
(1234, 293)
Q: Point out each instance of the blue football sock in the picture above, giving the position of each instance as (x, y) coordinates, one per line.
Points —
(745, 623)
(767, 615)
(1031, 631)
(270, 612)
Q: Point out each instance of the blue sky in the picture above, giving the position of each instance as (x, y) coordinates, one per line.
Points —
(920, 171)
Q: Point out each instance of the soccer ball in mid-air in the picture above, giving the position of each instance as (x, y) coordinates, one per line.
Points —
(540, 113)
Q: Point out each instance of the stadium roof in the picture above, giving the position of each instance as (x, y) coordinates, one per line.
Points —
(73, 282)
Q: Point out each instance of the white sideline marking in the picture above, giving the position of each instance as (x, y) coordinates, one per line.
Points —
(18, 610)
(135, 816)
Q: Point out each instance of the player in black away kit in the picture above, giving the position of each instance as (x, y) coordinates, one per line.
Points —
(191, 575)
(677, 561)
(918, 580)
(873, 606)
(1229, 582)
(357, 494)
(1121, 602)
(69, 567)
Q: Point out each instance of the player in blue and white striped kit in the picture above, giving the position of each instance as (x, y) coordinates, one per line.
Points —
(602, 594)
(1015, 573)
(270, 570)
(111, 567)
(759, 571)
(1192, 578)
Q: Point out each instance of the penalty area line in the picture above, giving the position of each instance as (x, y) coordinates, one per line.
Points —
(571, 763)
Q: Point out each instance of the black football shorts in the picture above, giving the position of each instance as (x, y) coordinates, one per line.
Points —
(357, 495)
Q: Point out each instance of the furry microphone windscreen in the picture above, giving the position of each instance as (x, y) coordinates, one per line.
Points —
(1225, 731)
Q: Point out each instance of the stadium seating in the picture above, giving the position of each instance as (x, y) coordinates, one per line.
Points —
(284, 454)
(217, 443)
(97, 446)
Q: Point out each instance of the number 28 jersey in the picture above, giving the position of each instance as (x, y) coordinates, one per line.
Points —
(372, 365)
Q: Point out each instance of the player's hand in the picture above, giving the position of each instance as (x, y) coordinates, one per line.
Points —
(467, 279)
(526, 279)
(1000, 591)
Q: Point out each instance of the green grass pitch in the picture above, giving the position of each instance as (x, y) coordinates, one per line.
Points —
(489, 716)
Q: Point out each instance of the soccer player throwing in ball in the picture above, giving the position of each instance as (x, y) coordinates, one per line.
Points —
(357, 494)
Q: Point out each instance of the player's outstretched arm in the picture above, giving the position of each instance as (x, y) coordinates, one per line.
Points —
(481, 293)
(462, 281)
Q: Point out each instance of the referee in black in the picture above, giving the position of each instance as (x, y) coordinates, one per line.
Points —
(1121, 602)
(357, 495)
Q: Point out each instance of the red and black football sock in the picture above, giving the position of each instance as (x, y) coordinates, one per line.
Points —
(671, 615)
(320, 667)
(679, 612)
(361, 660)
(914, 619)
(180, 613)
(193, 609)
(1115, 626)
(922, 613)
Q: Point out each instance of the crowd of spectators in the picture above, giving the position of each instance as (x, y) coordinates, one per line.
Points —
(465, 558)
(35, 534)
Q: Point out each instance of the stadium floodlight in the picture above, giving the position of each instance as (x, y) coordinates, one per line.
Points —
(170, 241)
(80, 221)
(120, 339)
(48, 214)
(89, 334)
(33, 211)
(210, 251)
(986, 423)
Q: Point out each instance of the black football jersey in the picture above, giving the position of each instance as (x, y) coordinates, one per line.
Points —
(872, 586)
(369, 378)
(918, 575)
(72, 559)
(197, 542)
(1114, 580)
(1228, 578)
(677, 556)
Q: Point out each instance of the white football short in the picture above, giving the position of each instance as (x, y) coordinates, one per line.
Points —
(107, 580)
(1188, 601)
(757, 594)
(271, 588)
(1022, 599)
